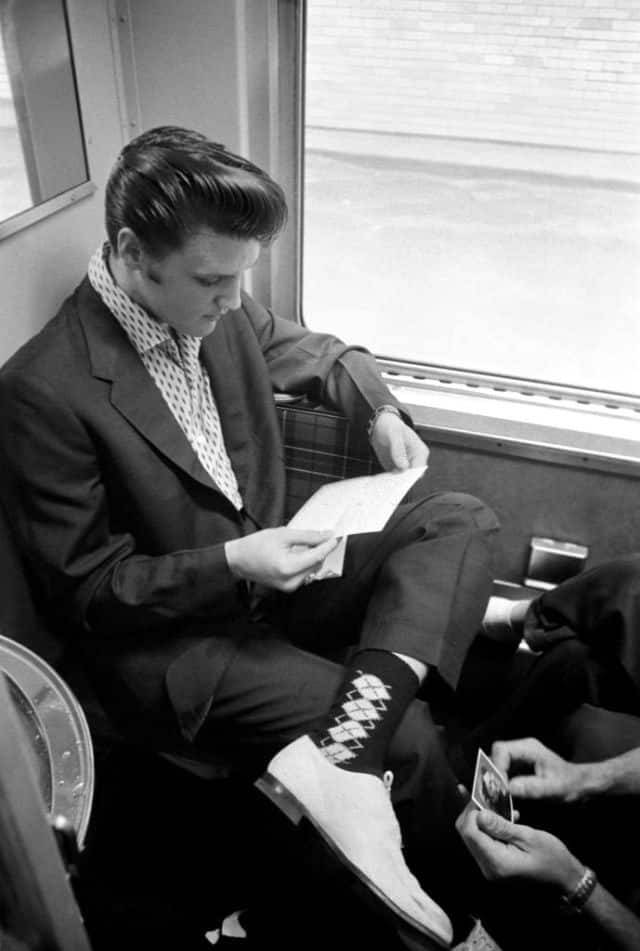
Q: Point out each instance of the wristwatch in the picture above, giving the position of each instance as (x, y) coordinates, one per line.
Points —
(580, 895)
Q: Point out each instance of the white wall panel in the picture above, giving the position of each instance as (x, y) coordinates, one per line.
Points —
(186, 66)
(41, 264)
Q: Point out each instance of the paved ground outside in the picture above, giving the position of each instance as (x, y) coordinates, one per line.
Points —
(501, 269)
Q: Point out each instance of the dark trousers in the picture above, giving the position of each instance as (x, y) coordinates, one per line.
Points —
(420, 588)
(602, 608)
(594, 673)
(600, 662)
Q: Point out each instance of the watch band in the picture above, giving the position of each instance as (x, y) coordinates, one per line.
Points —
(580, 895)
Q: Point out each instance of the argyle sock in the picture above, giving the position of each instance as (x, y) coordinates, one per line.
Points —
(377, 689)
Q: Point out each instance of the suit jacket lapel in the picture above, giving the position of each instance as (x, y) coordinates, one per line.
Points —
(228, 390)
(133, 392)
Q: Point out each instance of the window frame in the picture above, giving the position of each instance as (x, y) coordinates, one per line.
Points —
(559, 422)
(72, 195)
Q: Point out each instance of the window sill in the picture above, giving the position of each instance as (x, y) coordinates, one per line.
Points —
(543, 428)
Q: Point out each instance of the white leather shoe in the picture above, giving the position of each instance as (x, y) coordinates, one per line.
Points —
(353, 814)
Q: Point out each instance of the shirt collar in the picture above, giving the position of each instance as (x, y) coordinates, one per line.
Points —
(144, 332)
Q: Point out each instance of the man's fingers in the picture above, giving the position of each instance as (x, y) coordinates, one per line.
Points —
(466, 820)
(501, 757)
(529, 787)
(419, 458)
(307, 537)
(497, 827)
(399, 457)
(307, 559)
(504, 753)
(417, 451)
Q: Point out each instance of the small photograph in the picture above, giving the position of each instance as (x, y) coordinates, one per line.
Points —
(490, 788)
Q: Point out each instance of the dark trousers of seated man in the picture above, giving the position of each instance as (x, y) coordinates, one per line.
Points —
(418, 588)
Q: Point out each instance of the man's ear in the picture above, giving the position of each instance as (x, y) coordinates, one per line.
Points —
(129, 249)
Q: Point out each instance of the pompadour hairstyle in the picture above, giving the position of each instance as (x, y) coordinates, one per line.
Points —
(170, 182)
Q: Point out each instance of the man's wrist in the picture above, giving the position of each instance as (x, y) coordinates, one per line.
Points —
(590, 779)
(566, 871)
(385, 408)
(230, 553)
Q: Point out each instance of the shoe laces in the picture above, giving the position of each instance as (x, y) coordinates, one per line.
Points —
(387, 782)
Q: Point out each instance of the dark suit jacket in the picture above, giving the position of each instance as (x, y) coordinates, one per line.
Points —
(122, 527)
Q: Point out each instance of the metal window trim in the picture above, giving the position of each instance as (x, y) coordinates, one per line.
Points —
(277, 89)
(25, 219)
(496, 385)
(70, 196)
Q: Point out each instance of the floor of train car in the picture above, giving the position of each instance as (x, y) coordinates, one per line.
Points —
(169, 854)
(151, 876)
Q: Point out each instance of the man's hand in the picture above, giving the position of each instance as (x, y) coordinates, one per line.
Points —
(396, 445)
(280, 558)
(504, 849)
(550, 776)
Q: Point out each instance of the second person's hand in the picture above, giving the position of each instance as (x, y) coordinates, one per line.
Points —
(545, 774)
(505, 850)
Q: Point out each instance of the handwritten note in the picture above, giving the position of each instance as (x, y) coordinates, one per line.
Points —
(351, 507)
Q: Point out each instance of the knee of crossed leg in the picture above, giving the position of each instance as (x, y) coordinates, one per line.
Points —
(462, 508)
(476, 513)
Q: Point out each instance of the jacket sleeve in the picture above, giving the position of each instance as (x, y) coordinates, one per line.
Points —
(58, 504)
(324, 368)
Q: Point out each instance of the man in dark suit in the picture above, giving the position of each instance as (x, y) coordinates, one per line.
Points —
(143, 473)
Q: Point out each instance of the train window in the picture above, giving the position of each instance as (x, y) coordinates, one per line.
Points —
(43, 157)
(472, 187)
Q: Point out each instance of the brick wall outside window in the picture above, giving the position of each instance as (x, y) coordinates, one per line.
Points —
(549, 72)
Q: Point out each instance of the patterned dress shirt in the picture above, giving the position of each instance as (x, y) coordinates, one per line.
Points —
(173, 361)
